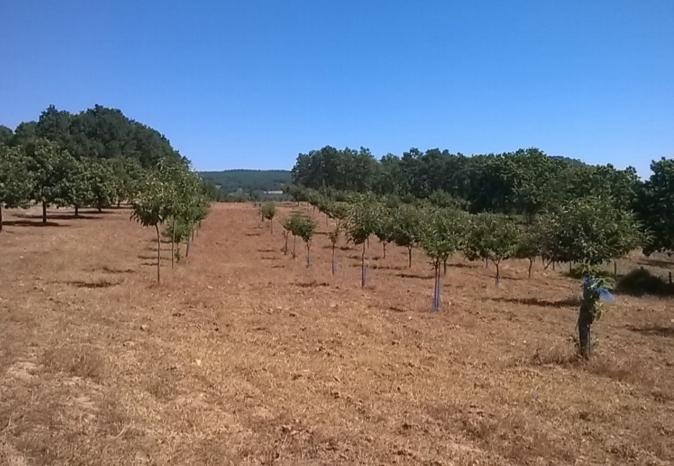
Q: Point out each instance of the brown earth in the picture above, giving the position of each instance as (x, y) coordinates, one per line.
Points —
(246, 356)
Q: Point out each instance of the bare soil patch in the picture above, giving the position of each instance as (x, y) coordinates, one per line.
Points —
(246, 356)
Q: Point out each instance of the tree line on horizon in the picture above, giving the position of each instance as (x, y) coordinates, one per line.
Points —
(526, 183)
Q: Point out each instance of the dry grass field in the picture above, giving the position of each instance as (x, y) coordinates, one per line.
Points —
(246, 356)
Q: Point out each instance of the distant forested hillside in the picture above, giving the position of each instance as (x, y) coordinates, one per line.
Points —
(230, 181)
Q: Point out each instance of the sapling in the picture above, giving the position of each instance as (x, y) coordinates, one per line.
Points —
(491, 237)
(304, 227)
(268, 212)
(406, 225)
(442, 233)
(334, 238)
(361, 223)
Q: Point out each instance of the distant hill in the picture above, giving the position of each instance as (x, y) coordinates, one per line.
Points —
(230, 181)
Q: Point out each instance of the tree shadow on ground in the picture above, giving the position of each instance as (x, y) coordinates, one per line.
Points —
(108, 269)
(154, 258)
(84, 284)
(389, 267)
(266, 250)
(28, 223)
(653, 330)
(312, 284)
(253, 234)
(653, 262)
(568, 302)
(423, 276)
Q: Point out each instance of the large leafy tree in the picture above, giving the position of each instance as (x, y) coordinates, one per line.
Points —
(589, 231)
(15, 179)
(51, 168)
(656, 206)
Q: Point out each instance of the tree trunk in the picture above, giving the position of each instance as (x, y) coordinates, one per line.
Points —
(553, 266)
(437, 287)
(100, 209)
(0, 216)
(585, 319)
(271, 225)
(158, 253)
(173, 240)
(44, 211)
(486, 263)
(333, 258)
(363, 271)
(119, 203)
(444, 267)
(308, 254)
(531, 264)
(294, 244)
(187, 247)
(384, 248)
(615, 269)
(77, 210)
(498, 272)
(409, 257)
(285, 244)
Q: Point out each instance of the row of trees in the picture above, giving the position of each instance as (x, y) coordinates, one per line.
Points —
(173, 195)
(100, 158)
(587, 231)
(45, 173)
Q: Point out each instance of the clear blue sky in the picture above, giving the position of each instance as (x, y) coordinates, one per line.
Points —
(252, 83)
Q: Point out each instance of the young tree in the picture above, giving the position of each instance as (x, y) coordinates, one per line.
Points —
(384, 228)
(491, 237)
(287, 230)
(442, 233)
(152, 207)
(590, 232)
(268, 212)
(304, 227)
(101, 183)
(15, 179)
(334, 238)
(529, 245)
(406, 224)
(80, 187)
(361, 223)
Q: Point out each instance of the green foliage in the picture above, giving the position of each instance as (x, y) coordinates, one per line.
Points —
(384, 225)
(526, 181)
(231, 181)
(51, 169)
(656, 207)
(362, 220)
(442, 233)
(406, 220)
(304, 227)
(589, 231)
(268, 210)
(491, 237)
(15, 178)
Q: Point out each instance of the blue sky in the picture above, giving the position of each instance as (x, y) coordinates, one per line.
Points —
(252, 83)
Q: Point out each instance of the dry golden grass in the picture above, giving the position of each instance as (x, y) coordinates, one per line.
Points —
(246, 356)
